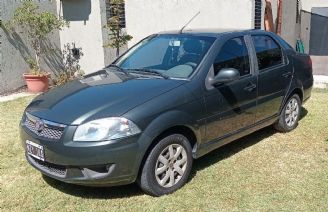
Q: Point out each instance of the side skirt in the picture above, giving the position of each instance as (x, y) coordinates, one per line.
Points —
(205, 148)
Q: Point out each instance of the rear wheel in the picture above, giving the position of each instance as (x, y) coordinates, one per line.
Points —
(290, 115)
(167, 167)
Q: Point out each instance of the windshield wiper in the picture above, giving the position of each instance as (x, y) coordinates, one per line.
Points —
(117, 68)
(148, 71)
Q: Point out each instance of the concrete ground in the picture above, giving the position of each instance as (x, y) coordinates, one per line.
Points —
(14, 96)
(320, 81)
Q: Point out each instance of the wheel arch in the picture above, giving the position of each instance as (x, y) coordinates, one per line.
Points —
(157, 130)
(297, 91)
(296, 87)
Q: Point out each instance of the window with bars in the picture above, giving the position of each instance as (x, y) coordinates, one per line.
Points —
(110, 12)
(258, 14)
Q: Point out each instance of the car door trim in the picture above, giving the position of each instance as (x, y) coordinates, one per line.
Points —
(211, 145)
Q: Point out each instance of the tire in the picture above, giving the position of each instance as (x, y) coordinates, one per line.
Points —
(172, 153)
(290, 115)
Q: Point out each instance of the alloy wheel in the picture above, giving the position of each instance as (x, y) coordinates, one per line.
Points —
(291, 112)
(171, 165)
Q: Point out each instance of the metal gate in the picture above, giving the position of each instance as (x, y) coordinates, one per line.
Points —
(319, 31)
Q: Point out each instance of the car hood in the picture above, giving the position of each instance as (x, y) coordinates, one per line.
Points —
(102, 94)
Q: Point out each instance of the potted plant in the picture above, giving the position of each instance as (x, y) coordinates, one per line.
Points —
(37, 26)
(36, 80)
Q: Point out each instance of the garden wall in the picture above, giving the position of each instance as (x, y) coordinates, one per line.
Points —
(14, 49)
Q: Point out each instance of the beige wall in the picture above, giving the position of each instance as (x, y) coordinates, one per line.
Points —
(85, 30)
(308, 4)
(288, 26)
(305, 30)
(145, 17)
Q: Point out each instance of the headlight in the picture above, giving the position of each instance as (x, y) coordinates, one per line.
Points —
(105, 129)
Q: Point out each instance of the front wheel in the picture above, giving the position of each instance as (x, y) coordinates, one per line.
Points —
(290, 115)
(167, 166)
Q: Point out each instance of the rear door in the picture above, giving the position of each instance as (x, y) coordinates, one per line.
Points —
(274, 75)
(231, 106)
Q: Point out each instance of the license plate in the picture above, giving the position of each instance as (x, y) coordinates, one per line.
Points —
(35, 150)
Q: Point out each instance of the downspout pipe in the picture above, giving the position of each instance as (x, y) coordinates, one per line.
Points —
(279, 17)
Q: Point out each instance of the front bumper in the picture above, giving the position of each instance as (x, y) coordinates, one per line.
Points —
(87, 163)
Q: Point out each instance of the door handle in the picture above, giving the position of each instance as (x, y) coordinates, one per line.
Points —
(287, 74)
(250, 87)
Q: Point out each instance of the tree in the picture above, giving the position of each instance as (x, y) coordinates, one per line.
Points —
(117, 37)
(37, 26)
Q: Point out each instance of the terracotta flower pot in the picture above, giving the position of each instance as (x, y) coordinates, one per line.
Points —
(36, 84)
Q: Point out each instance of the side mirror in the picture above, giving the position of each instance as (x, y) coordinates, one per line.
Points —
(225, 75)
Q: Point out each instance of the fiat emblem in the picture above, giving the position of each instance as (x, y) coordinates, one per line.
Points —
(39, 125)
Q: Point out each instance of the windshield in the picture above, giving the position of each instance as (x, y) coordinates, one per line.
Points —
(175, 56)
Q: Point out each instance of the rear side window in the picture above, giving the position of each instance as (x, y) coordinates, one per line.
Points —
(233, 54)
(268, 52)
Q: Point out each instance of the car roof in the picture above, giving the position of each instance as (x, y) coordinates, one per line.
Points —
(211, 32)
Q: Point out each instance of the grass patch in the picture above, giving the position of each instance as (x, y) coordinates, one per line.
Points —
(263, 171)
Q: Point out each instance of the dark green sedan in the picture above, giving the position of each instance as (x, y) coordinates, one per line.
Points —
(168, 100)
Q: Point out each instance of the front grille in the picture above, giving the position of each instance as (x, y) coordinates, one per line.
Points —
(50, 168)
(48, 131)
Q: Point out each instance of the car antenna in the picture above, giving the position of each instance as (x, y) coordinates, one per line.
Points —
(184, 26)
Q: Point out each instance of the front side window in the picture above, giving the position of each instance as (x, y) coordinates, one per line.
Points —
(233, 54)
(175, 55)
(268, 52)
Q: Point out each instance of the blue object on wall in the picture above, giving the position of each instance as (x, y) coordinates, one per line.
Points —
(299, 46)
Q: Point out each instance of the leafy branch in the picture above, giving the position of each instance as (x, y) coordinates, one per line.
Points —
(37, 26)
(117, 37)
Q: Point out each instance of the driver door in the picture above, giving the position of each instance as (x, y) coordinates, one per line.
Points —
(231, 106)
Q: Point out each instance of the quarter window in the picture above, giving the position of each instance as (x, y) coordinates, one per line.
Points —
(268, 52)
(233, 54)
